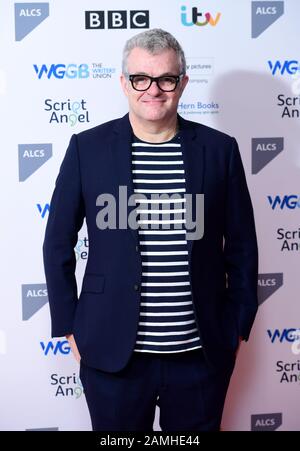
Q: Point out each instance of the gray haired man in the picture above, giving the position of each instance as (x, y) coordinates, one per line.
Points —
(160, 317)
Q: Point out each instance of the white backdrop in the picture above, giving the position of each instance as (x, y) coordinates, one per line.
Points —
(244, 80)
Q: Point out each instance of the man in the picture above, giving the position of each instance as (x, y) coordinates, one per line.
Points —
(160, 316)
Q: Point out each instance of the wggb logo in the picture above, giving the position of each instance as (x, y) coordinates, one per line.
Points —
(43, 209)
(98, 20)
(74, 71)
(291, 202)
(289, 67)
(284, 335)
(28, 16)
(62, 71)
(59, 347)
(198, 18)
(264, 14)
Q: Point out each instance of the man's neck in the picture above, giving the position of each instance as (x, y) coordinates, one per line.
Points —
(154, 132)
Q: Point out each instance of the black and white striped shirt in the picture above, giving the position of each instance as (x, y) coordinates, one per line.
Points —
(167, 320)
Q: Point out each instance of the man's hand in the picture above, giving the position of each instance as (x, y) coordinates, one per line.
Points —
(73, 346)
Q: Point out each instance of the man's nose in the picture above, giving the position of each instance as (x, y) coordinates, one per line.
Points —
(154, 89)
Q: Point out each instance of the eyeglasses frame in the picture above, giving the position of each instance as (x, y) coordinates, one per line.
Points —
(177, 78)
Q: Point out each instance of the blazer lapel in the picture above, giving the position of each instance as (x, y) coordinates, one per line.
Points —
(121, 148)
(193, 156)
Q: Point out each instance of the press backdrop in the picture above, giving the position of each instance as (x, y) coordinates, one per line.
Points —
(59, 74)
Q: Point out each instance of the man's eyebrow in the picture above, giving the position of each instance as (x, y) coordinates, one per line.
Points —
(165, 74)
(170, 74)
(141, 73)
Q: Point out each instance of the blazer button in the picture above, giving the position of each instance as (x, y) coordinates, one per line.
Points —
(137, 248)
(136, 287)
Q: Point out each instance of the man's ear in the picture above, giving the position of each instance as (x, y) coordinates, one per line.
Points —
(124, 84)
(183, 84)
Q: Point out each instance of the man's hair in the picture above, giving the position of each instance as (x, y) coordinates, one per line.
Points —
(154, 41)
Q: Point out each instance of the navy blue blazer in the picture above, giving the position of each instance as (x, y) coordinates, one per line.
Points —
(223, 264)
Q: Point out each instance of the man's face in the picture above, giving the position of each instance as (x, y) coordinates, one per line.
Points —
(152, 105)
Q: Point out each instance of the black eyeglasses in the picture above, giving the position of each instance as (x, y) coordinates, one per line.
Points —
(166, 83)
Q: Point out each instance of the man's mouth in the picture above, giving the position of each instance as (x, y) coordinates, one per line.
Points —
(153, 101)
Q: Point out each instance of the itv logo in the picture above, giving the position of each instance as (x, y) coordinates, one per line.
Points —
(198, 18)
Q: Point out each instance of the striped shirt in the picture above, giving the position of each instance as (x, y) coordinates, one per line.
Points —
(167, 319)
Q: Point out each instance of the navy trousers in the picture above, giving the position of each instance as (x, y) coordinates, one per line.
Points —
(189, 393)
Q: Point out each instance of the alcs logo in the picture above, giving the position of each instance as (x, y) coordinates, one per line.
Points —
(266, 422)
(28, 16)
(197, 18)
(264, 14)
(289, 66)
(34, 297)
(264, 150)
(290, 202)
(32, 157)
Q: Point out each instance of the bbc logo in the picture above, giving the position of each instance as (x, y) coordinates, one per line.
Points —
(95, 20)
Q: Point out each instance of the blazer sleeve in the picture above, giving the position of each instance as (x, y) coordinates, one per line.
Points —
(65, 220)
(240, 248)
